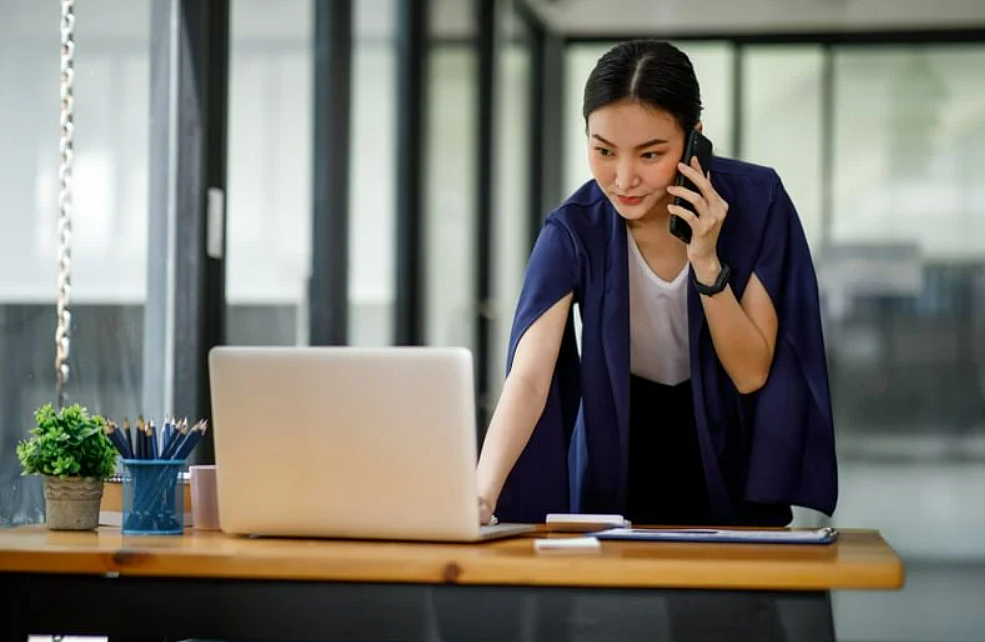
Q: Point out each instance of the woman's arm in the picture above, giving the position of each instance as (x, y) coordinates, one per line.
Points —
(744, 335)
(521, 402)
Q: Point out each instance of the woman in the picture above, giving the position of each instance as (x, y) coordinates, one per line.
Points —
(698, 393)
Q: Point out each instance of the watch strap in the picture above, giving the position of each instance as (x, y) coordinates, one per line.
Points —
(717, 286)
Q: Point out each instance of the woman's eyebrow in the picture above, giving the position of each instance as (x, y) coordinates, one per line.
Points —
(652, 142)
(649, 143)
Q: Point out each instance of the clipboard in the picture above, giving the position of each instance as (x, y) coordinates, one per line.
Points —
(826, 535)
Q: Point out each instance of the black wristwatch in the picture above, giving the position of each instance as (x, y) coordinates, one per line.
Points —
(717, 286)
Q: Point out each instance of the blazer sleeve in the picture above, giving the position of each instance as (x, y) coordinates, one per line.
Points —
(550, 275)
(792, 455)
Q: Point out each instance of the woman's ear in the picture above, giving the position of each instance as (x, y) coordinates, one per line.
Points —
(698, 125)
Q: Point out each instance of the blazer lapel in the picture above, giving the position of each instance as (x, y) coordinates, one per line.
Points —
(615, 337)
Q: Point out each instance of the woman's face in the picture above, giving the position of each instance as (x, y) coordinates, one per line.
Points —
(633, 151)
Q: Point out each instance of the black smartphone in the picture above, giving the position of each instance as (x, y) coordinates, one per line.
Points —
(695, 145)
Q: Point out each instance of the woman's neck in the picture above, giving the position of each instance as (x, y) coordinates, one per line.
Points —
(663, 252)
(653, 228)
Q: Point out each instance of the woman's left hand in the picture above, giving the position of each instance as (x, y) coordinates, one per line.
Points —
(702, 251)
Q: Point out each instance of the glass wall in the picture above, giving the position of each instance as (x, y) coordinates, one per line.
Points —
(451, 307)
(908, 337)
(781, 124)
(109, 235)
(450, 204)
(905, 285)
(269, 172)
(511, 245)
(372, 174)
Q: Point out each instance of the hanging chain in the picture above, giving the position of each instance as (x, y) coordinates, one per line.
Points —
(65, 199)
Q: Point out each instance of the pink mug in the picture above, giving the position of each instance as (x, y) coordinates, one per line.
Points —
(205, 501)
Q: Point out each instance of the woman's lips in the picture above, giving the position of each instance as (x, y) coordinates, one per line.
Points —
(630, 200)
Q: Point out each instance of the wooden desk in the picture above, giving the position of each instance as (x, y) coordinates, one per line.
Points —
(209, 585)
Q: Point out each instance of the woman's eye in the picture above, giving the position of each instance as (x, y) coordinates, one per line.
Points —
(652, 155)
(602, 151)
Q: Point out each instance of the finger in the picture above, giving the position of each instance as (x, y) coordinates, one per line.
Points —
(722, 208)
(699, 179)
(688, 216)
(692, 171)
(691, 197)
(696, 164)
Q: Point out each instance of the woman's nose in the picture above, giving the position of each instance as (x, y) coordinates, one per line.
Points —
(626, 176)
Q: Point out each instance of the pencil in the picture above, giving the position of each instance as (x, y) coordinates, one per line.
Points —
(138, 438)
(176, 439)
(191, 440)
(127, 436)
(166, 432)
(152, 437)
(116, 437)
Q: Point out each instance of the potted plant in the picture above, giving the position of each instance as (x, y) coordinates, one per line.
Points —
(71, 451)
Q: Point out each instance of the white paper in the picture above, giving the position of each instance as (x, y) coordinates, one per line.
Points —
(585, 518)
(567, 544)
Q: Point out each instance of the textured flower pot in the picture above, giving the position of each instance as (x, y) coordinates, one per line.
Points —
(72, 503)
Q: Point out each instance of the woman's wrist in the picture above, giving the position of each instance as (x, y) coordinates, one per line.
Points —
(489, 479)
(488, 495)
(706, 270)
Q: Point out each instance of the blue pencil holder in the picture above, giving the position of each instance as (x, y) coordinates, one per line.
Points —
(153, 502)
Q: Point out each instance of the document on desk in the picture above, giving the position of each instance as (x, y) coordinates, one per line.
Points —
(583, 522)
(825, 535)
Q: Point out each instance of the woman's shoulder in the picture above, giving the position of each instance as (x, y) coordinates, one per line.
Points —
(751, 190)
(743, 175)
(578, 228)
(761, 218)
(584, 209)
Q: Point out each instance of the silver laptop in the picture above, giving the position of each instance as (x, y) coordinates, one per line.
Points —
(345, 442)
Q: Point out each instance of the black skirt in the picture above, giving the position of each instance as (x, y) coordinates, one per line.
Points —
(666, 475)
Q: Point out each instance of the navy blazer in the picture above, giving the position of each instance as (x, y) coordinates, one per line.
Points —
(774, 446)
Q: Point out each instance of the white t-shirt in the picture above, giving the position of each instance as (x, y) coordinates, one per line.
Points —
(657, 322)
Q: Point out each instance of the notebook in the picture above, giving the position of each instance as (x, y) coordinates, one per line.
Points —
(825, 535)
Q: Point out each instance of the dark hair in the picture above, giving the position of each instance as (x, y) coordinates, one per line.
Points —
(651, 72)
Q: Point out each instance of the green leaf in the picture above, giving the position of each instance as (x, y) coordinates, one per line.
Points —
(67, 443)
